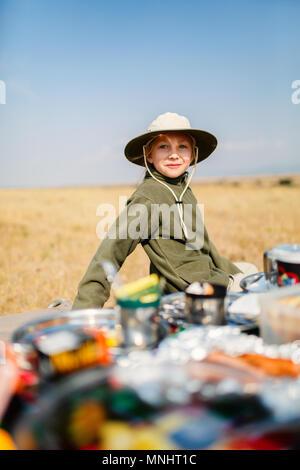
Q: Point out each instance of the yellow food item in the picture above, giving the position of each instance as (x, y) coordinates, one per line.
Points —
(85, 422)
(115, 435)
(118, 435)
(137, 286)
(6, 442)
(150, 438)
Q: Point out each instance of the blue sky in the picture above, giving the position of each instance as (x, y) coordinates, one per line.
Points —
(83, 77)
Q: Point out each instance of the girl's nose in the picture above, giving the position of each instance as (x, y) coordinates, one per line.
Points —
(174, 155)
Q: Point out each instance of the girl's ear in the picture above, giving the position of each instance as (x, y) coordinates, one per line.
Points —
(149, 159)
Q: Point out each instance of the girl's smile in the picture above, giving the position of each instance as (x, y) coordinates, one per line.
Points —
(171, 154)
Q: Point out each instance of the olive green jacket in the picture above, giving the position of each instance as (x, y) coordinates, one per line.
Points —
(169, 256)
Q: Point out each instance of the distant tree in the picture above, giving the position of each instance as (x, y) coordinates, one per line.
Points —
(285, 181)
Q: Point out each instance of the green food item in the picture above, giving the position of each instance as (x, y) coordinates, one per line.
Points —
(125, 404)
(145, 292)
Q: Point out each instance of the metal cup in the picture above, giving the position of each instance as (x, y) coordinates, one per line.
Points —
(206, 309)
(140, 327)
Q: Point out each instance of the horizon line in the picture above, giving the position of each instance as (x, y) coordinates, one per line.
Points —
(199, 179)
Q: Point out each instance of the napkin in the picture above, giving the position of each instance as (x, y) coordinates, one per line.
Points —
(247, 305)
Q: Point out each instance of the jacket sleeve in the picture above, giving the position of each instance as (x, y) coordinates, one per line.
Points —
(131, 227)
(221, 262)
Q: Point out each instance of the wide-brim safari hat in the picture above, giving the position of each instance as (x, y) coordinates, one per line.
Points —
(170, 122)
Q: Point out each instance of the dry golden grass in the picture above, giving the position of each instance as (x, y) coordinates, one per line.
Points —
(48, 236)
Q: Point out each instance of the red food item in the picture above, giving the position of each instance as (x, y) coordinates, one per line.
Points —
(272, 366)
(26, 379)
(260, 443)
(245, 368)
(9, 377)
(218, 366)
(89, 447)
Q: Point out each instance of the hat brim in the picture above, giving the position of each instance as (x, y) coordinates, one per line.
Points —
(205, 142)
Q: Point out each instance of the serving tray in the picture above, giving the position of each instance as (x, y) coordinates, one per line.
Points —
(105, 319)
(173, 306)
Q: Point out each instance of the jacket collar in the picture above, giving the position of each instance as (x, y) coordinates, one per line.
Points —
(181, 179)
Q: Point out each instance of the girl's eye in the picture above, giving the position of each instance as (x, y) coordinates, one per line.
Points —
(163, 146)
(183, 145)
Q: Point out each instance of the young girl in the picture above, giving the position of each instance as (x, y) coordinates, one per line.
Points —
(166, 150)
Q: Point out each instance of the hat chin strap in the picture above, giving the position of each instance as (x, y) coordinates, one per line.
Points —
(179, 200)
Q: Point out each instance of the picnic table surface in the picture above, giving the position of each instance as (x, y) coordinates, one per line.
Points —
(9, 323)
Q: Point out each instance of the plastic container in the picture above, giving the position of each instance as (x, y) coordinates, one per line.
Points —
(280, 315)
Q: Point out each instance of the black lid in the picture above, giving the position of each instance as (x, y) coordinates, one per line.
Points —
(206, 290)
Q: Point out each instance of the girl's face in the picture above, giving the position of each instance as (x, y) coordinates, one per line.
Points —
(171, 154)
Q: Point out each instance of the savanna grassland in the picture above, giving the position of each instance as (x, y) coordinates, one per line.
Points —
(48, 236)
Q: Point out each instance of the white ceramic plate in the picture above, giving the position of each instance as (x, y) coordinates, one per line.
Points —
(247, 306)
